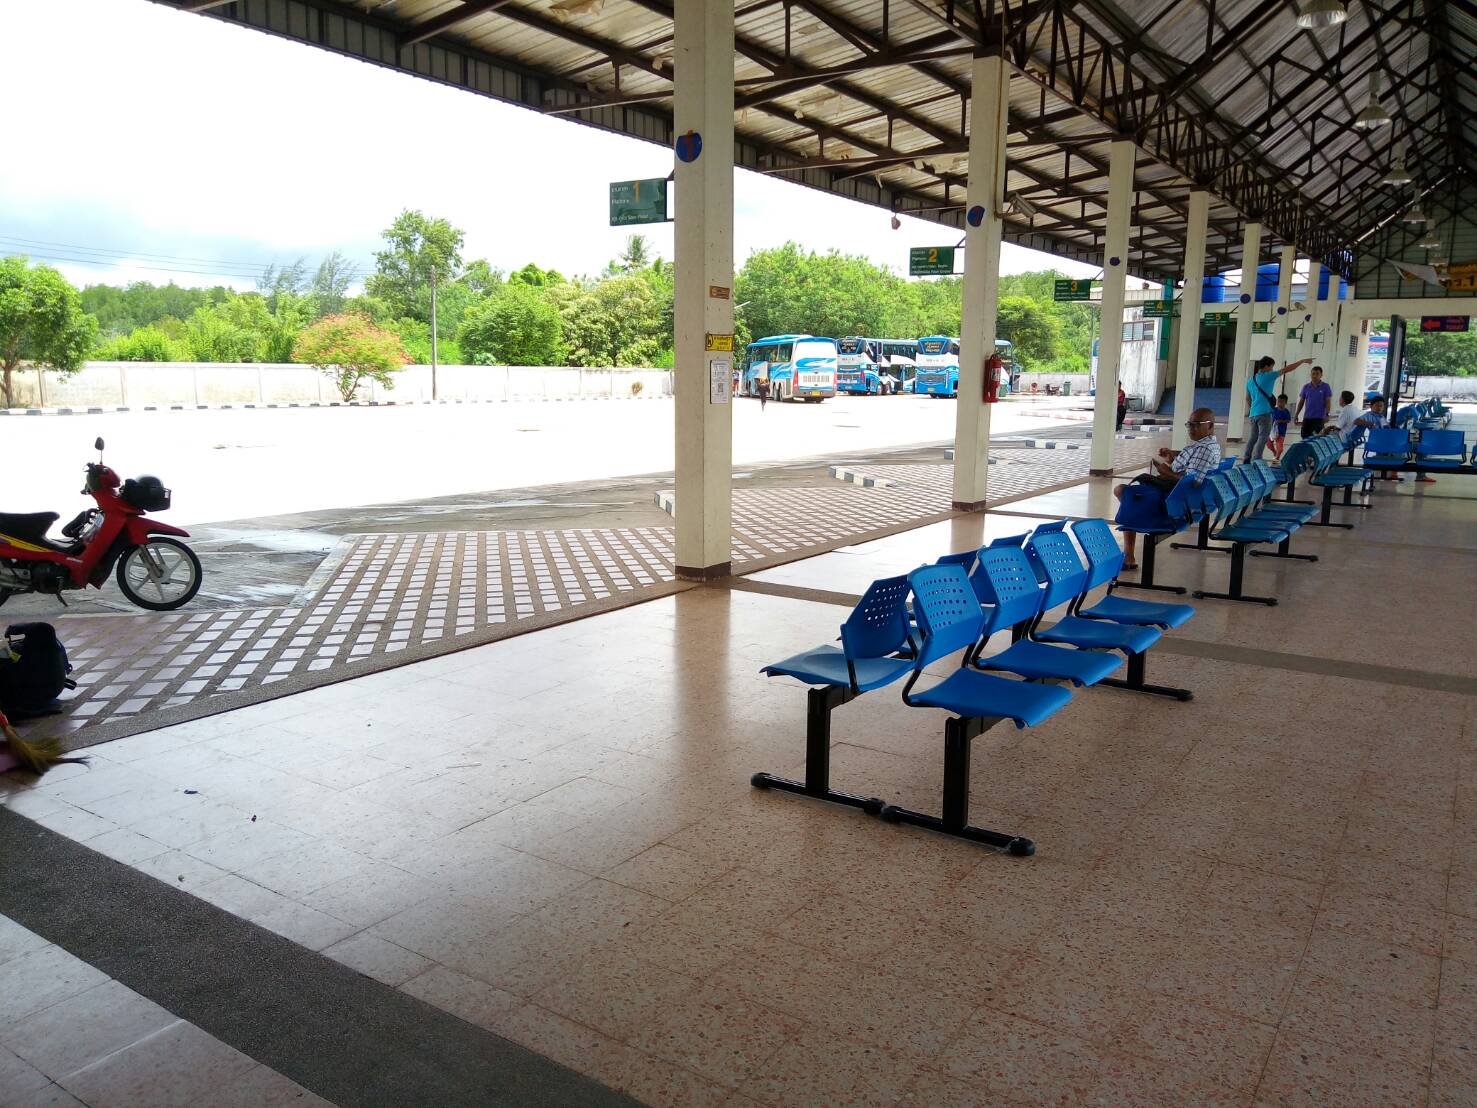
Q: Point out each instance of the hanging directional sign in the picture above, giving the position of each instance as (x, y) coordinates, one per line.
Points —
(1069, 289)
(1261, 327)
(638, 202)
(1295, 332)
(1444, 324)
(1216, 319)
(930, 261)
(1161, 309)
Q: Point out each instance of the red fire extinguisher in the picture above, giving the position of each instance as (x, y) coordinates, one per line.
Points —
(994, 371)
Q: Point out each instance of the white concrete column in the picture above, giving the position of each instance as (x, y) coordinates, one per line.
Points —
(1115, 272)
(1251, 258)
(1325, 320)
(1282, 316)
(1189, 339)
(988, 128)
(703, 83)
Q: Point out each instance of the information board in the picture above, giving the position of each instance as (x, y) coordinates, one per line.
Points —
(930, 261)
(1161, 309)
(1444, 324)
(1069, 289)
(638, 202)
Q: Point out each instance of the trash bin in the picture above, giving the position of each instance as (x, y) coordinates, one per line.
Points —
(1066, 388)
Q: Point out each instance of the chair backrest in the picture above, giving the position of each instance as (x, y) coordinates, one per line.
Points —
(1220, 497)
(878, 625)
(1008, 540)
(947, 610)
(1267, 474)
(1055, 558)
(1007, 582)
(1179, 502)
(1104, 559)
(1404, 415)
(1236, 478)
(1435, 444)
(964, 558)
(1298, 457)
(1387, 440)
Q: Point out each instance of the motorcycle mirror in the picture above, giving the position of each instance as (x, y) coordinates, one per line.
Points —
(98, 444)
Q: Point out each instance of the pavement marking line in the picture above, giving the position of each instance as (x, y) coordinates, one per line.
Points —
(792, 592)
(334, 1031)
(1324, 667)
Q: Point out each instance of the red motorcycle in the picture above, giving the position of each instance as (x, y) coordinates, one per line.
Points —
(155, 570)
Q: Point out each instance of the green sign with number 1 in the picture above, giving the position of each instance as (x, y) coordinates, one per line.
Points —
(638, 202)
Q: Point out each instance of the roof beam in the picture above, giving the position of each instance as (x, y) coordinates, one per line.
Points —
(447, 20)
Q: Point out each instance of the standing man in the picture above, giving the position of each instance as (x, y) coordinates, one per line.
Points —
(1122, 408)
(1259, 387)
(1317, 396)
(763, 387)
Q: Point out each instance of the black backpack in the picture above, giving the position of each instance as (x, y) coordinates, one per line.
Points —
(33, 671)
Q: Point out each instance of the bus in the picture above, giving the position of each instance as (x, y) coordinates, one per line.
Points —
(799, 367)
(938, 366)
(857, 365)
(874, 367)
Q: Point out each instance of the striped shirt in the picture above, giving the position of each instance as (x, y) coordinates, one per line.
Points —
(1199, 458)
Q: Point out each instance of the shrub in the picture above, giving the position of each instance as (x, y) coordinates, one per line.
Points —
(348, 349)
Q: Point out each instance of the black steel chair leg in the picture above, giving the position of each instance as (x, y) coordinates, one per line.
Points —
(817, 784)
(1146, 571)
(1238, 569)
(959, 733)
(1284, 550)
(1135, 682)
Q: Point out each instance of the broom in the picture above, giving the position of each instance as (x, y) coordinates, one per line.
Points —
(38, 757)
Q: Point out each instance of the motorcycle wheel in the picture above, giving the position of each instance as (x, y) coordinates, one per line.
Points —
(161, 574)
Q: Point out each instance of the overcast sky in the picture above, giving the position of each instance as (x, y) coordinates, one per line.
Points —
(144, 143)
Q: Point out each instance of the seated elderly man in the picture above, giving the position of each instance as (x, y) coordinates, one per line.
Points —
(1200, 457)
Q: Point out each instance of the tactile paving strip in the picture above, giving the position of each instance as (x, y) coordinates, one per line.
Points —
(389, 592)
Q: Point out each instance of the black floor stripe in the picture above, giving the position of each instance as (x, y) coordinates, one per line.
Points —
(339, 1034)
(793, 592)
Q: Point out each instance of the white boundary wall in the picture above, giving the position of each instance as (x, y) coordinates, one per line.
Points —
(188, 384)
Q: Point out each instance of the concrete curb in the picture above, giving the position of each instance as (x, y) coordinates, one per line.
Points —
(111, 409)
(866, 481)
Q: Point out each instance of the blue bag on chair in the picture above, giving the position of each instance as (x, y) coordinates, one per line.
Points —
(1142, 509)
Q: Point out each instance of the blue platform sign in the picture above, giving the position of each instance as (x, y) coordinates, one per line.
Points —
(689, 146)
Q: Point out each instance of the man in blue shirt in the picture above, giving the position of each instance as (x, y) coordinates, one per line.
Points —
(1262, 389)
(1316, 396)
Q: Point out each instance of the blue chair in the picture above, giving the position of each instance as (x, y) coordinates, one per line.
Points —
(1055, 560)
(950, 621)
(1104, 560)
(1387, 448)
(1006, 584)
(1140, 511)
(872, 640)
(1440, 450)
(1226, 504)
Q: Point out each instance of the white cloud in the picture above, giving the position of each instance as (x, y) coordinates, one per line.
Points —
(157, 132)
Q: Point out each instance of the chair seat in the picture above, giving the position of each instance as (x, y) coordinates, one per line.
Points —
(1035, 659)
(1337, 480)
(1438, 463)
(976, 695)
(1237, 533)
(826, 665)
(1122, 609)
(1100, 634)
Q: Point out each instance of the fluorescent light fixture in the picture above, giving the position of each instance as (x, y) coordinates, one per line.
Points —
(1430, 242)
(1413, 214)
(1397, 174)
(1373, 114)
(1313, 14)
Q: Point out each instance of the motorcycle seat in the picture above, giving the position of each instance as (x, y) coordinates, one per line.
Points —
(31, 528)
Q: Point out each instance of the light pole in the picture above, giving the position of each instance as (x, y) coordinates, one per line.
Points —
(433, 332)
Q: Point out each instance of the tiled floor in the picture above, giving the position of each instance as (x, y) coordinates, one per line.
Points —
(385, 593)
(1263, 896)
(70, 1035)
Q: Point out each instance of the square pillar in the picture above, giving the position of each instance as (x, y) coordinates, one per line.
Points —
(703, 117)
(1251, 258)
(988, 126)
(1282, 317)
(1115, 272)
(1189, 344)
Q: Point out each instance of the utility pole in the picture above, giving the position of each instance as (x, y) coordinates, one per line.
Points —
(433, 332)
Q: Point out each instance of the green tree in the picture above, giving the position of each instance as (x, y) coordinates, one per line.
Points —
(288, 280)
(519, 325)
(1453, 355)
(41, 321)
(415, 247)
(616, 322)
(482, 278)
(331, 283)
(1031, 326)
(349, 349)
(143, 344)
(535, 277)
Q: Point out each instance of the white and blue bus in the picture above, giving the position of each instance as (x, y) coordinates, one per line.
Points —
(938, 365)
(875, 367)
(797, 367)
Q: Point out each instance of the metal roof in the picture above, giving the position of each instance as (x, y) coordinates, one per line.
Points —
(869, 99)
